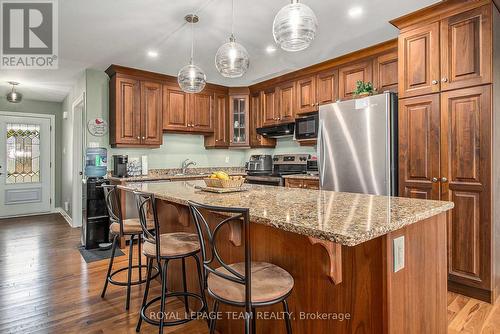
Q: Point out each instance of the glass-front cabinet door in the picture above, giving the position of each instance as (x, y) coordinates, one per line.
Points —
(239, 120)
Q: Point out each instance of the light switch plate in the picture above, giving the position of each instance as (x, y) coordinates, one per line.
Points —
(398, 253)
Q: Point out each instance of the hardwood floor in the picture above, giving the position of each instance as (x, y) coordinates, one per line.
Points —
(46, 287)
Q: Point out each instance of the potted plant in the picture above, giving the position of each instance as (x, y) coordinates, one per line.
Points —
(363, 88)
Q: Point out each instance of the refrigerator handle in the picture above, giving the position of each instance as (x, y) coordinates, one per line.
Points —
(320, 153)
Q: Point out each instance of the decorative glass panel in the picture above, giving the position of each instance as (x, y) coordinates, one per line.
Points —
(23, 153)
(239, 121)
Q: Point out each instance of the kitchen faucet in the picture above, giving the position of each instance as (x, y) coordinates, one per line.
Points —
(185, 164)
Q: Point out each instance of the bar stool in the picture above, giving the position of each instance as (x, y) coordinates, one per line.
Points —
(246, 284)
(165, 248)
(119, 228)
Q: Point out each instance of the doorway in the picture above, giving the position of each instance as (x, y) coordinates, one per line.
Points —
(27, 153)
(78, 160)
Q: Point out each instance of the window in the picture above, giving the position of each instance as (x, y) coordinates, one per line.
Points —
(23, 153)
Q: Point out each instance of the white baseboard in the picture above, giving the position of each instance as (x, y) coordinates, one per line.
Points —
(65, 215)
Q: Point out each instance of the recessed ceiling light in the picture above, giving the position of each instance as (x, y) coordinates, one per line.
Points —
(152, 53)
(271, 49)
(355, 12)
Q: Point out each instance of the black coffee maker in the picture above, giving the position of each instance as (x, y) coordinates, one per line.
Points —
(120, 165)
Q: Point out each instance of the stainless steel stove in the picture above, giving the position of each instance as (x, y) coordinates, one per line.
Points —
(283, 164)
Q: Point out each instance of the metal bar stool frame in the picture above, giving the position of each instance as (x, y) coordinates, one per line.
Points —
(113, 204)
(240, 216)
(144, 199)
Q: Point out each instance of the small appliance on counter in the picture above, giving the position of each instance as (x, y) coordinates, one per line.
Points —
(312, 166)
(119, 166)
(259, 164)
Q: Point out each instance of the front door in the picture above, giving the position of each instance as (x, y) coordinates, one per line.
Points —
(25, 162)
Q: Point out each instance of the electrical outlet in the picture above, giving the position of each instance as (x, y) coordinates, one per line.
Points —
(227, 160)
(398, 253)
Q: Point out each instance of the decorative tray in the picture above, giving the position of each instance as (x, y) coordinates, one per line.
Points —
(221, 190)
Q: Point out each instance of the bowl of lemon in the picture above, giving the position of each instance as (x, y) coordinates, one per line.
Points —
(223, 180)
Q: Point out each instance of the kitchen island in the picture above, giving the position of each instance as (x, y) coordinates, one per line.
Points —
(350, 277)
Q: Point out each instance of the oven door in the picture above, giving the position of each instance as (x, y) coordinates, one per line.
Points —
(306, 127)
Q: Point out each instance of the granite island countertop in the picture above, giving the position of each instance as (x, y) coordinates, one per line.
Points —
(346, 218)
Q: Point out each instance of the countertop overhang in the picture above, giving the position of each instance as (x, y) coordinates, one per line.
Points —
(345, 218)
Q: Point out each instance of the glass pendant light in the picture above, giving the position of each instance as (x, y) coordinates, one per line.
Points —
(191, 78)
(13, 96)
(294, 27)
(231, 60)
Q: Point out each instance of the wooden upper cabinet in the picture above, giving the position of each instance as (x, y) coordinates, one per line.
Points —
(466, 164)
(269, 107)
(418, 64)
(466, 49)
(350, 74)
(220, 137)
(256, 140)
(306, 95)
(125, 111)
(201, 118)
(327, 88)
(175, 108)
(419, 147)
(151, 113)
(286, 102)
(385, 72)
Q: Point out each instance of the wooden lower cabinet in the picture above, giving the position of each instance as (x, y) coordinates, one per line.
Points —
(419, 147)
(466, 136)
(445, 154)
(302, 183)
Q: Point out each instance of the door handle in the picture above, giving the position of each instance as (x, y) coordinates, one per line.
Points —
(434, 180)
(444, 179)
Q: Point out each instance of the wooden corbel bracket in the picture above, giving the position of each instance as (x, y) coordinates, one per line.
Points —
(334, 251)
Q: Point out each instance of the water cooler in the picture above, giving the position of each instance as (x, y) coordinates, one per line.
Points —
(95, 225)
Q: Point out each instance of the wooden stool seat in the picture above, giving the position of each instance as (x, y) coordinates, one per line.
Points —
(173, 244)
(269, 282)
(130, 226)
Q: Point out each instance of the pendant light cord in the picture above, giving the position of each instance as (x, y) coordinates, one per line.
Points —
(232, 18)
(192, 42)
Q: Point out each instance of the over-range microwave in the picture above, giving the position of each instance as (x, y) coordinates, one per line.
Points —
(306, 127)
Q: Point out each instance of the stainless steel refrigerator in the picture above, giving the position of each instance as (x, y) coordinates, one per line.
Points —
(358, 145)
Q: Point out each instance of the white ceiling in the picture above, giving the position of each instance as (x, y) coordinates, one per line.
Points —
(97, 33)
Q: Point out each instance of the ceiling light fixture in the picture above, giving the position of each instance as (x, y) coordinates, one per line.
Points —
(231, 60)
(294, 27)
(191, 78)
(355, 12)
(13, 96)
(152, 54)
(271, 49)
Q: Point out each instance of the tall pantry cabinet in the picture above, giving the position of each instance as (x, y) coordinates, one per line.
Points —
(448, 127)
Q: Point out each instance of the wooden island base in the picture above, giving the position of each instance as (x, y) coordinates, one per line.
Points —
(363, 296)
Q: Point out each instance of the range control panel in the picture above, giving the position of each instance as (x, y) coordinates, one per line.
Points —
(291, 159)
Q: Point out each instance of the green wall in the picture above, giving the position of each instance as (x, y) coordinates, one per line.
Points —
(46, 108)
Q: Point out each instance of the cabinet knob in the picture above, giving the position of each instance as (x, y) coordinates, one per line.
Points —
(313, 104)
(143, 137)
(444, 179)
(435, 180)
(434, 82)
(139, 137)
(279, 118)
(217, 140)
(444, 79)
